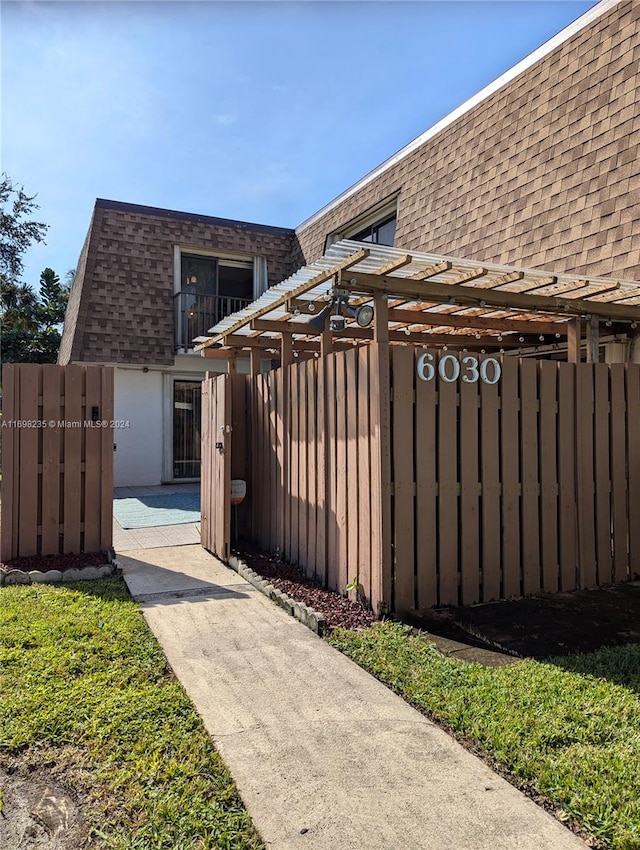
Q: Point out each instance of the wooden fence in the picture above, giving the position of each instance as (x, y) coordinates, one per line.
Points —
(57, 459)
(443, 492)
(315, 477)
(529, 484)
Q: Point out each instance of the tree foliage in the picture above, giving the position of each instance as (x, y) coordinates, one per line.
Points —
(30, 320)
(16, 234)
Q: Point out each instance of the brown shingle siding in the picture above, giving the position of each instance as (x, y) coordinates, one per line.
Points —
(541, 172)
(123, 308)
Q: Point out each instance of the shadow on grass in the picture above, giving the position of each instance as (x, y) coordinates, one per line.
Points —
(617, 664)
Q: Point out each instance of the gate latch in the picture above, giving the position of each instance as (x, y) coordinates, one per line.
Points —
(220, 446)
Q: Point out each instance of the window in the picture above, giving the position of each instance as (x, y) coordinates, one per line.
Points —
(377, 225)
(381, 233)
(208, 288)
(212, 276)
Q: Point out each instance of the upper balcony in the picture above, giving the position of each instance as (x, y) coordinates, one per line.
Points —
(195, 314)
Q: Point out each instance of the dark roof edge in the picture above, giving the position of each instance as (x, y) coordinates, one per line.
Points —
(121, 206)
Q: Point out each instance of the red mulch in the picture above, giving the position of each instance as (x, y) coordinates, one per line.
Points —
(338, 610)
(56, 562)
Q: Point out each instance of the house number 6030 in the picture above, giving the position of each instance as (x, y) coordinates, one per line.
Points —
(469, 369)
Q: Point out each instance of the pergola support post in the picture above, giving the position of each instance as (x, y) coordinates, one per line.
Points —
(326, 341)
(593, 340)
(255, 356)
(574, 328)
(381, 580)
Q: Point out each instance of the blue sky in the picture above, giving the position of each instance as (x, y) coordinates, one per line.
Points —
(257, 111)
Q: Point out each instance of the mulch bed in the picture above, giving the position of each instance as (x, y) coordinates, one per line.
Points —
(56, 562)
(535, 627)
(338, 610)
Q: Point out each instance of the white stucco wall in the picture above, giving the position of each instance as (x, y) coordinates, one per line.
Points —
(144, 400)
(138, 401)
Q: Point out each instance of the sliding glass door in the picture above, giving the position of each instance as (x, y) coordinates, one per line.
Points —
(186, 429)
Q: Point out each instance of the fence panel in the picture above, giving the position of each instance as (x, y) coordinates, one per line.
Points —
(549, 477)
(509, 441)
(292, 539)
(602, 472)
(469, 495)
(363, 433)
(533, 479)
(633, 453)
(354, 517)
(311, 457)
(585, 475)
(567, 527)
(57, 446)
(426, 495)
(491, 555)
(342, 474)
(448, 517)
(403, 481)
(619, 476)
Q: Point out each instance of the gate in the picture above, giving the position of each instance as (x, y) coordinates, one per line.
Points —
(216, 465)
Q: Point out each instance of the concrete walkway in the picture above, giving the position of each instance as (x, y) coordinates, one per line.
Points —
(324, 756)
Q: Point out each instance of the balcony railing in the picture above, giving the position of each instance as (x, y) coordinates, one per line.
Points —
(195, 314)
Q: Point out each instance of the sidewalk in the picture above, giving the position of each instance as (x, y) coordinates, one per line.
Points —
(324, 756)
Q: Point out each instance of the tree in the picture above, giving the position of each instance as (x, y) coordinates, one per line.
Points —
(30, 321)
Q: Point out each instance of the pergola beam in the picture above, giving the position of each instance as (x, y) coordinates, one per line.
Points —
(423, 338)
(466, 295)
(455, 321)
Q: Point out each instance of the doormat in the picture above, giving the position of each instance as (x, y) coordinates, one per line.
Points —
(161, 509)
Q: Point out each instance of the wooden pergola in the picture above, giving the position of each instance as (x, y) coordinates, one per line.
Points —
(428, 300)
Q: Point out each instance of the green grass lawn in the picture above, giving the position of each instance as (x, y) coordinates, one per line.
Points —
(568, 730)
(85, 688)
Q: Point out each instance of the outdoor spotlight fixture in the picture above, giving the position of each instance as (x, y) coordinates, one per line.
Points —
(362, 314)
